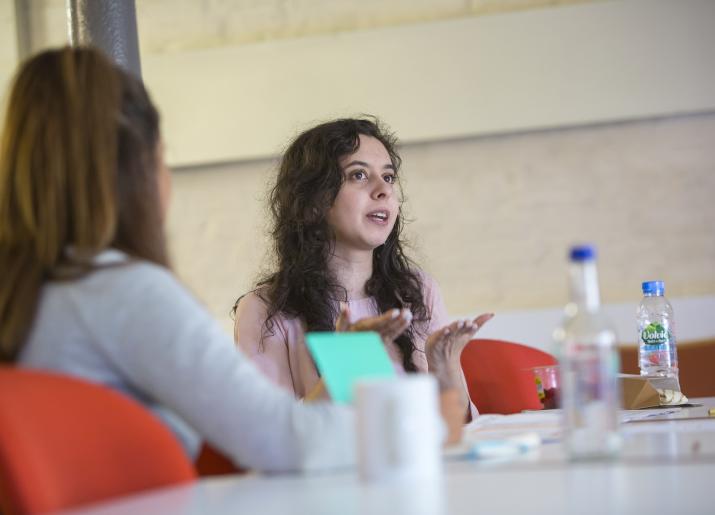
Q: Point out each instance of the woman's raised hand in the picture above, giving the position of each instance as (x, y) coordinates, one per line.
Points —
(389, 325)
(444, 348)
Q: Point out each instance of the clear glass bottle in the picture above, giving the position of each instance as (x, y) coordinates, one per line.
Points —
(586, 346)
(656, 333)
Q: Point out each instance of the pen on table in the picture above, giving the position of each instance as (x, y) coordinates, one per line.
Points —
(504, 448)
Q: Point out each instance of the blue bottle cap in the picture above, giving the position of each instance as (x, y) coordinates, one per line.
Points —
(653, 288)
(582, 253)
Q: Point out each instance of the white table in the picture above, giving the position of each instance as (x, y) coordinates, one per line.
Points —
(667, 466)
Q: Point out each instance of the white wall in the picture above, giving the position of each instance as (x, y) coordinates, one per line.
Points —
(694, 321)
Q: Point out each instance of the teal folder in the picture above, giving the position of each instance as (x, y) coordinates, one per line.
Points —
(344, 358)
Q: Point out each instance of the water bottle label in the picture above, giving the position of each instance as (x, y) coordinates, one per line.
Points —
(654, 335)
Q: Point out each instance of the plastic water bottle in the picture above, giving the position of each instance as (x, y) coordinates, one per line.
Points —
(656, 333)
(589, 366)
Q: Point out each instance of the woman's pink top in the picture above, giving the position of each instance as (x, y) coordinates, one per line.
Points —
(282, 355)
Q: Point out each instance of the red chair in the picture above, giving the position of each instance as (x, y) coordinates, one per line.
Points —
(65, 442)
(497, 375)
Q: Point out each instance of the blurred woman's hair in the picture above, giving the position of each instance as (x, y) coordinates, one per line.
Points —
(301, 285)
(78, 165)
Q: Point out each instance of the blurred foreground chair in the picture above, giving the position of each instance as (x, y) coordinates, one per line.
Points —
(497, 375)
(696, 361)
(65, 442)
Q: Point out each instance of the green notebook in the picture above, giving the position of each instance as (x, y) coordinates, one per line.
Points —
(343, 358)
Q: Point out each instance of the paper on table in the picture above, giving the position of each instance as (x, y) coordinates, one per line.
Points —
(634, 415)
(546, 423)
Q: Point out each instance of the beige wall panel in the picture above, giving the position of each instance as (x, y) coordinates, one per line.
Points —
(171, 25)
(532, 69)
(175, 25)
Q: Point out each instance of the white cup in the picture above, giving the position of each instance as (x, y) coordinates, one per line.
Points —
(399, 428)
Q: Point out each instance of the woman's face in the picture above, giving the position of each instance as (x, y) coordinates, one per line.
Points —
(163, 177)
(366, 207)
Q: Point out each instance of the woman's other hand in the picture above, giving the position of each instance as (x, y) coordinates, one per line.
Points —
(444, 348)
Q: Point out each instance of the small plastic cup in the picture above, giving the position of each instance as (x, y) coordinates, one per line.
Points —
(547, 386)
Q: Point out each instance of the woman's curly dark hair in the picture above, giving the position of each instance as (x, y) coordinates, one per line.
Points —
(302, 286)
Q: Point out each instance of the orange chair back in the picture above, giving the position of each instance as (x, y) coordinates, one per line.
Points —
(497, 375)
(66, 442)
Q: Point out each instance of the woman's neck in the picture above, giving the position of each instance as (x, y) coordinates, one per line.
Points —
(352, 269)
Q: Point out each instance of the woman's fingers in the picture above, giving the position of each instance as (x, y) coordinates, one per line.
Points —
(439, 339)
(377, 323)
(389, 325)
(466, 329)
(469, 327)
(483, 319)
(398, 325)
(342, 324)
(456, 335)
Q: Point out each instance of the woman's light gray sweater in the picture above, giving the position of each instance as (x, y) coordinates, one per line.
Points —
(132, 326)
